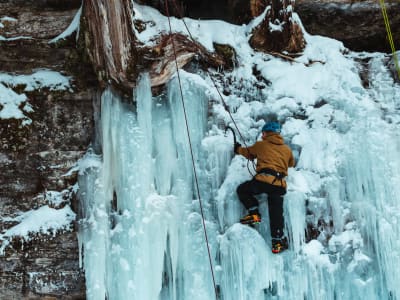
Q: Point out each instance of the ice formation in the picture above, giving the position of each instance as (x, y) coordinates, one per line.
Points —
(141, 229)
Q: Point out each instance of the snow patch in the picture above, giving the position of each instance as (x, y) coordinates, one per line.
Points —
(44, 220)
(13, 105)
(52, 80)
(10, 103)
(73, 27)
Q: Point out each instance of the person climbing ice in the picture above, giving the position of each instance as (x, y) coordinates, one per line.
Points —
(274, 158)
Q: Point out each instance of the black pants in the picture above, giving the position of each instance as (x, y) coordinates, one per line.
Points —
(248, 189)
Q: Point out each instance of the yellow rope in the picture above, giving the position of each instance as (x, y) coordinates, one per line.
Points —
(390, 36)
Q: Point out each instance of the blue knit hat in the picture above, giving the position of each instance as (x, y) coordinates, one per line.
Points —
(272, 126)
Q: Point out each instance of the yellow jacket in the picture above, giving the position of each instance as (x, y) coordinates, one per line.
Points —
(271, 153)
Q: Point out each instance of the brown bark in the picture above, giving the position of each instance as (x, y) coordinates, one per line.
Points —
(164, 65)
(109, 40)
(265, 38)
(119, 57)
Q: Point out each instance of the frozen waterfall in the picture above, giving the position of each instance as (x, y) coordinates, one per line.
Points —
(141, 232)
(142, 235)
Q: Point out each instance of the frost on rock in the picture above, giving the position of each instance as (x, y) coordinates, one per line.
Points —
(40, 79)
(14, 105)
(44, 220)
(6, 19)
(10, 103)
(73, 27)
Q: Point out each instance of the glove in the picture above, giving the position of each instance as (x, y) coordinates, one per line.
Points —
(236, 147)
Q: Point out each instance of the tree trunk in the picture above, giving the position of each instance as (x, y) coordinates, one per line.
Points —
(109, 40)
(278, 31)
(118, 56)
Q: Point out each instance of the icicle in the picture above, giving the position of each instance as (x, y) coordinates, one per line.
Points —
(193, 259)
(137, 235)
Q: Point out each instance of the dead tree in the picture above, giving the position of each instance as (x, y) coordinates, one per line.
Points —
(109, 40)
(118, 57)
(277, 32)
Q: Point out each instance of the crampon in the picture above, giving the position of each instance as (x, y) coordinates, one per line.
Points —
(251, 219)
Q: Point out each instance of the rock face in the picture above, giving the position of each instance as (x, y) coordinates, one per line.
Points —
(34, 158)
(358, 24)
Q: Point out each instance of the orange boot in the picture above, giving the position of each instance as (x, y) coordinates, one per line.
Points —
(251, 218)
(279, 245)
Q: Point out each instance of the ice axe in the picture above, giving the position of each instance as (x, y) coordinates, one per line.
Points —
(233, 132)
(234, 143)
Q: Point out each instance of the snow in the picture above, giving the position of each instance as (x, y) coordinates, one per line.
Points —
(39, 79)
(6, 19)
(206, 32)
(14, 105)
(141, 229)
(10, 19)
(10, 102)
(73, 27)
(2, 38)
(56, 198)
(44, 220)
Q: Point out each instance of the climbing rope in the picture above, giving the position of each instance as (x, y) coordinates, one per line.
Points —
(390, 36)
(226, 107)
(234, 123)
(191, 153)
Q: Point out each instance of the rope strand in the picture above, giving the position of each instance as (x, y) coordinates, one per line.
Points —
(226, 107)
(192, 155)
(390, 36)
(234, 123)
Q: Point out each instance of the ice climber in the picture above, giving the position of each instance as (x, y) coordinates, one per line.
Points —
(274, 158)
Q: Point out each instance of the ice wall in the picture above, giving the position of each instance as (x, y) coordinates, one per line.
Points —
(141, 231)
(141, 228)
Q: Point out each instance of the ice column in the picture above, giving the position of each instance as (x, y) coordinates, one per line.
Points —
(372, 186)
(193, 262)
(141, 230)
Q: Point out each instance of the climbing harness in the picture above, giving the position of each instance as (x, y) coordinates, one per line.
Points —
(278, 175)
(191, 153)
(390, 36)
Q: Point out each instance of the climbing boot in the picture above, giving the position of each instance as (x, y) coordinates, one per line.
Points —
(251, 218)
(279, 245)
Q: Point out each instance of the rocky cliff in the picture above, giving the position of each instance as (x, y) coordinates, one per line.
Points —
(358, 24)
(38, 150)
